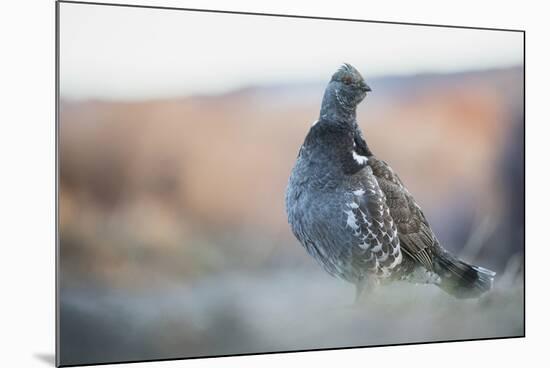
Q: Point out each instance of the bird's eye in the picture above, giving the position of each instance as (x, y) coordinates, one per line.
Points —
(346, 80)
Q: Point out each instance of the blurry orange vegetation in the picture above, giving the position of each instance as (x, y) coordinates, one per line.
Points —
(161, 174)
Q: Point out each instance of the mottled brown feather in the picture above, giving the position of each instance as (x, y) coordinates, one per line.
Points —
(415, 235)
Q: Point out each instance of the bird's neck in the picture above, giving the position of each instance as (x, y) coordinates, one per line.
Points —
(361, 145)
(335, 109)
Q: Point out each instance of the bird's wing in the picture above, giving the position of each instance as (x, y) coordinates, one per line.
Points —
(416, 237)
(375, 245)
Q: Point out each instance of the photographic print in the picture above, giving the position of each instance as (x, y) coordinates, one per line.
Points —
(235, 183)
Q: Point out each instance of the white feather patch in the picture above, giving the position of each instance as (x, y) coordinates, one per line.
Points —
(396, 261)
(351, 221)
(361, 160)
(378, 246)
(359, 192)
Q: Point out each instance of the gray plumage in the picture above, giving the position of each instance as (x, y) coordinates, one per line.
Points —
(353, 214)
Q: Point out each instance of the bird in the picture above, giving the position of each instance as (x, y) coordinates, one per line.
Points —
(352, 213)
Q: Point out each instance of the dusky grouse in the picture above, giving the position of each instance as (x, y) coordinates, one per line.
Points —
(353, 214)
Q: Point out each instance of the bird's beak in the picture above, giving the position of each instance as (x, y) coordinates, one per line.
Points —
(365, 87)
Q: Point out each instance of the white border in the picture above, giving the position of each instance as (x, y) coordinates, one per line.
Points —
(27, 195)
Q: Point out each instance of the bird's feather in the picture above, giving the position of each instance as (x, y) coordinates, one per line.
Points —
(376, 245)
(415, 235)
(353, 214)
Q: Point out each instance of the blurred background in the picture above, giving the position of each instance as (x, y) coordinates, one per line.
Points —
(178, 131)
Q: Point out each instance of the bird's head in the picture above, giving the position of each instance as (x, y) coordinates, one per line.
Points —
(349, 84)
(346, 89)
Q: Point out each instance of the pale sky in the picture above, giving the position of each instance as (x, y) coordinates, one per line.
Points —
(131, 53)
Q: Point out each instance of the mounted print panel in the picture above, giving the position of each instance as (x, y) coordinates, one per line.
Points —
(234, 183)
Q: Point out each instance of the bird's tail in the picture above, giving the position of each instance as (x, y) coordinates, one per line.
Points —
(460, 279)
